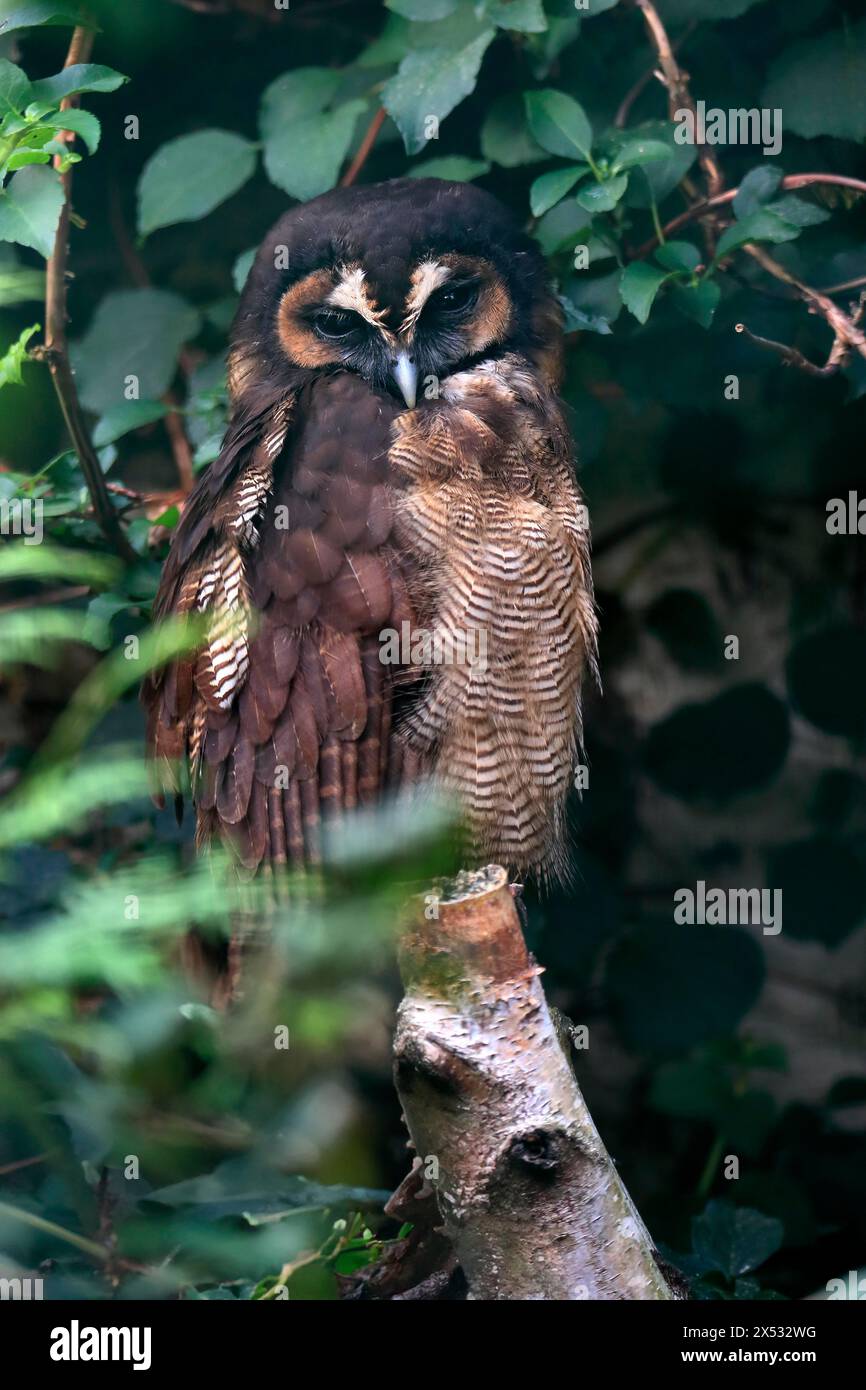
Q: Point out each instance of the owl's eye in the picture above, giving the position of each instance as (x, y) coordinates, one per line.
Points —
(335, 324)
(454, 299)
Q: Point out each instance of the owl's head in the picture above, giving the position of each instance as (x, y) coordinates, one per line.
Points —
(398, 282)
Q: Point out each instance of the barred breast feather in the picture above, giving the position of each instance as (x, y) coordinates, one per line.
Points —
(487, 508)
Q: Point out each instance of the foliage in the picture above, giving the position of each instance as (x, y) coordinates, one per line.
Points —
(709, 518)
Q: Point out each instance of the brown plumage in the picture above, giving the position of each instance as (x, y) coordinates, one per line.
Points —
(394, 587)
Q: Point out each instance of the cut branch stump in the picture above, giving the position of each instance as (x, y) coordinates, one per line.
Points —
(527, 1194)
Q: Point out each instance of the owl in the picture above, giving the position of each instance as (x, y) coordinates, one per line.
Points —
(389, 560)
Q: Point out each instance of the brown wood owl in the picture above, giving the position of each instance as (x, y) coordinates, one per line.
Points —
(390, 553)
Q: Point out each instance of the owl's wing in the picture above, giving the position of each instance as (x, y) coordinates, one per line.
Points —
(284, 713)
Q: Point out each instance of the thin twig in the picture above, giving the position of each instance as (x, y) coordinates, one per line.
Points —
(643, 81)
(364, 148)
(788, 184)
(679, 96)
(792, 357)
(21, 1163)
(55, 351)
(846, 329)
(846, 285)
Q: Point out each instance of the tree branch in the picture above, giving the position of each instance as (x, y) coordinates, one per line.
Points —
(364, 148)
(698, 210)
(846, 330)
(679, 96)
(527, 1194)
(55, 351)
(792, 357)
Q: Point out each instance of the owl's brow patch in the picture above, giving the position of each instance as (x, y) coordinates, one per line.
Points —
(426, 278)
(492, 316)
(350, 293)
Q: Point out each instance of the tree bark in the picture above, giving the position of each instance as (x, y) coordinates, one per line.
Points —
(527, 1194)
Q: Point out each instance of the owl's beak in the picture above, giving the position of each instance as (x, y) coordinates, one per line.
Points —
(405, 374)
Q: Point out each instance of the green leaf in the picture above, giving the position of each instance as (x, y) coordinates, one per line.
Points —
(525, 16)
(639, 152)
(40, 643)
(242, 267)
(110, 352)
(603, 197)
(78, 78)
(45, 562)
(391, 46)
(678, 255)
(798, 211)
(423, 10)
(14, 89)
(733, 1239)
(82, 123)
(592, 304)
(430, 83)
(236, 1189)
(549, 189)
(820, 84)
(30, 208)
(97, 622)
(37, 12)
(21, 286)
(563, 227)
(757, 188)
(596, 7)
(189, 177)
(505, 137)
(305, 157)
(639, 285)
(24, 157)
(546, 48)
(698, 302)
(58, 800)
(654, 181)
(131, 415)
(450, 166)
(559, 123)
(294, 95)
(722, 748)
(762, 225)
(14, 358)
